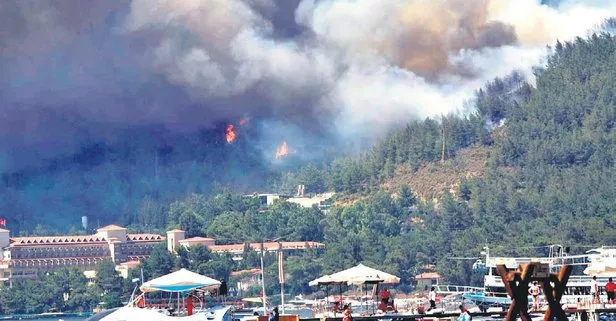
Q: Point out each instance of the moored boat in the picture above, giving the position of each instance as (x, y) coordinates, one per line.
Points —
(599, 263)
(178, 284)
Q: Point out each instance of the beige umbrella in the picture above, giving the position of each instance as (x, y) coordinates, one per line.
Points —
(325, 280)
(357, 275)
(362, 274)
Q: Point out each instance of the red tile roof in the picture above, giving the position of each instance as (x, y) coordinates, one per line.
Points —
(55, 240)
(196, 239)
(111, 228)
(268, 246)
(242, 272)
(144, 237)
(427, 275)
(79, 239)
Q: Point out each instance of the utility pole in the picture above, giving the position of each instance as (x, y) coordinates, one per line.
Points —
(264, 297)
(281, 275)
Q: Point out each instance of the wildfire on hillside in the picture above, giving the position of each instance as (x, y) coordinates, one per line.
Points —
(230, 134)
(282, 151)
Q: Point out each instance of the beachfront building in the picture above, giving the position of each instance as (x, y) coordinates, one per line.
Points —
(176, 238)
(24, 257)
(236, 250)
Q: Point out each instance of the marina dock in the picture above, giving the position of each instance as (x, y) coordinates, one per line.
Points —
(591, 312)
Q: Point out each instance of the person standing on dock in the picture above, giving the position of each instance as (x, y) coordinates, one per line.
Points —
(610, 288)
(432, 298)
(534, 291)
(189, 305)
(385, 295)
(594, 290)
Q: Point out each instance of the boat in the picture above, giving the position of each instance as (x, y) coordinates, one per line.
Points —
(177, 284)
(598, 262)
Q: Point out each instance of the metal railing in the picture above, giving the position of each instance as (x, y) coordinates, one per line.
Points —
(453, 289)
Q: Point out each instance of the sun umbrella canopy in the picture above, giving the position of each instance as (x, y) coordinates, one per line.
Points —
(325, 280)
(359, 274)
(180, 281)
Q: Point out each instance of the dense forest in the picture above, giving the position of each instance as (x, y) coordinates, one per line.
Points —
(549, 178)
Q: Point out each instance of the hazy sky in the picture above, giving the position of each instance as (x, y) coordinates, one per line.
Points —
(75, 70)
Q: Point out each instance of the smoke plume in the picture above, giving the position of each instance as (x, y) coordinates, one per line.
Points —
(86, 69)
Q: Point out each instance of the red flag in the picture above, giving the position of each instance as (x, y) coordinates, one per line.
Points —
(280, 267)
(3, 222)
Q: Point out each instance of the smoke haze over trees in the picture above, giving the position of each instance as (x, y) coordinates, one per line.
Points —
(550, 178)
(114, 109)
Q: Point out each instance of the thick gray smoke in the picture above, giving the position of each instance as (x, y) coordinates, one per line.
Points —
(74, 70)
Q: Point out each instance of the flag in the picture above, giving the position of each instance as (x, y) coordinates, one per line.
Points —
(280, 267)
(3, 222)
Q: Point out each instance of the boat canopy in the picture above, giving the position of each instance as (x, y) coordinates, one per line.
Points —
(180, 281)
(357, 275)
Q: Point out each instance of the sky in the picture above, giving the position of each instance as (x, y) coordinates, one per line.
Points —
(85, 70)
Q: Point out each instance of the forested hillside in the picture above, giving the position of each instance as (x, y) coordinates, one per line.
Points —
(541, 162)
(545, 175)
(549, 176)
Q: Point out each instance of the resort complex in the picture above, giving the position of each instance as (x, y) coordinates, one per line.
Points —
(24, 257)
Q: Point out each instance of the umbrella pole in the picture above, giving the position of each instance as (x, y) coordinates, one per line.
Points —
(377, 297)
(327, 299)
(366, 297)
(178, 303)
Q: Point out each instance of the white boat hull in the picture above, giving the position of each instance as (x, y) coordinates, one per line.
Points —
(219, 313)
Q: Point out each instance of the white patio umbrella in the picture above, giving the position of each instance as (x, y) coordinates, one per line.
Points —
(357, 275)
(361, 274)
(325, 280)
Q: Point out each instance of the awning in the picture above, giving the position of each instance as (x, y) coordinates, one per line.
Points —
(180, 281)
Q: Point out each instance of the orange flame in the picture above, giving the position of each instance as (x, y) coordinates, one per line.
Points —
(230, 135)
(282, 151)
